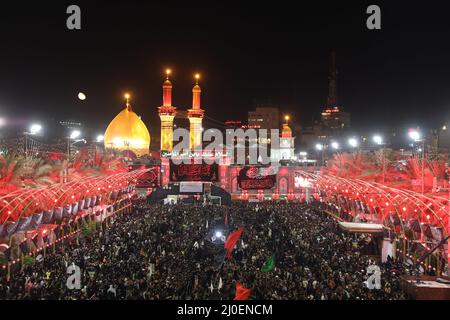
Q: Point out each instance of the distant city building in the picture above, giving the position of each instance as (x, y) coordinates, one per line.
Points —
(264, 117)
(312, 135)
(333, 117)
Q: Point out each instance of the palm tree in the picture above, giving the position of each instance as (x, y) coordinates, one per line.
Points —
(354, 165)
(42, 172)
(12, 169)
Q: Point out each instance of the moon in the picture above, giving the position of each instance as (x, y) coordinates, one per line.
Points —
(81, 96)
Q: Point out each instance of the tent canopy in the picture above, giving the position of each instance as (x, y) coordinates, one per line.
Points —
(355, 227)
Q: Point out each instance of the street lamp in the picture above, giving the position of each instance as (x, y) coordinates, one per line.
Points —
(100, 138)
(379, 141)
(303, 155)
(416, 136)
(73, 136)
(353, 142)
(320, 148)
(335, 145)
(34, 129)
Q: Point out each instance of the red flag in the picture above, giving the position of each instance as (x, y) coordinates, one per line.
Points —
(242, 293)
(226, 215)
(232, 240)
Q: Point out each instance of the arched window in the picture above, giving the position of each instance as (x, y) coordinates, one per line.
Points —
(234, 185)
(283, 186)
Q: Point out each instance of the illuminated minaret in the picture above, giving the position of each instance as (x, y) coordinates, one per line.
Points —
(167, 114)
(195, 116)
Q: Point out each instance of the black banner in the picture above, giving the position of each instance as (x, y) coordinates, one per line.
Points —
(194, 172)
(257, 178)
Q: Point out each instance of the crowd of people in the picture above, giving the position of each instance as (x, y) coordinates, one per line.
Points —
(163, 252)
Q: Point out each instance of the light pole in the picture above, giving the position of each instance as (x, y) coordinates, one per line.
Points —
(320, 147)
(379, 141)
(34, 129)
(416, 136)
(303, 155)
(440, 133)
(335, 145)
(73, 136)
(353, 142)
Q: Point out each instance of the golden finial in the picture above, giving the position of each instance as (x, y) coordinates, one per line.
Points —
(286, 118)
(197, 77)
(127, 99)
(168, 72)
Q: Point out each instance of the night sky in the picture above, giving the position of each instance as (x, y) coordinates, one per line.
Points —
(394, 77)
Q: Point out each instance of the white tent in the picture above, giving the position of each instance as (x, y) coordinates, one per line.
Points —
(356, 227)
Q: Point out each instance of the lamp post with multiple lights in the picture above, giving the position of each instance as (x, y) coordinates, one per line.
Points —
(304, 156)
(320, 147)
(416, 136)
(74, 135)
(334, 145)
(378, 140)
(323, 147)
(353, 143)
(34, 129)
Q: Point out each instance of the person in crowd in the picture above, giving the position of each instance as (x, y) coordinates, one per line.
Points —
(162, 252)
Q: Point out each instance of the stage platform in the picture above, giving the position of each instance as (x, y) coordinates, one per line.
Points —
(427, 289)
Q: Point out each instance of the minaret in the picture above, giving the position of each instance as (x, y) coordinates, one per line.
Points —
(167, 114)
(195, 116)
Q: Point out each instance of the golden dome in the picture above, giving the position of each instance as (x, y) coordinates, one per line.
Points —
(167, 83)
(286, 132)
(127, 132)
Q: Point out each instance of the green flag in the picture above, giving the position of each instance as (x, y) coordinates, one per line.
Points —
(269, 265)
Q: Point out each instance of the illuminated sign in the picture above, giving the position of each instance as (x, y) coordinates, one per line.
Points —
(250, 126)
(229, 122)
